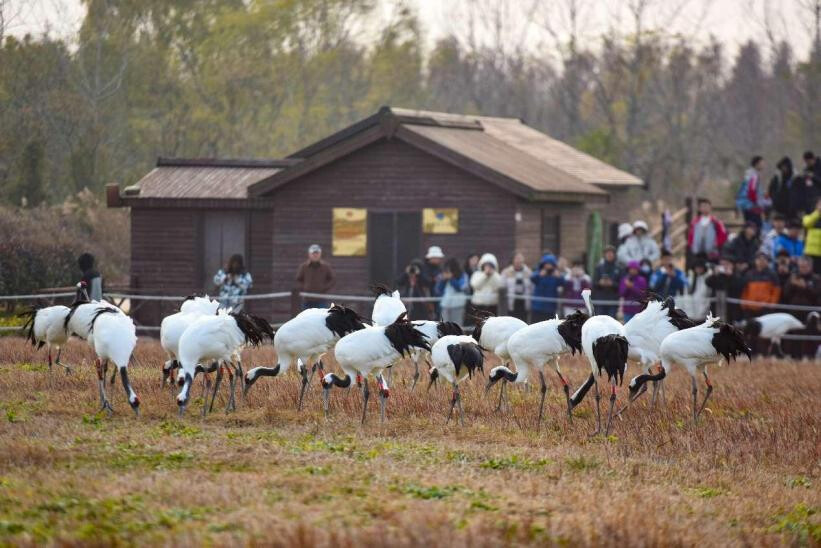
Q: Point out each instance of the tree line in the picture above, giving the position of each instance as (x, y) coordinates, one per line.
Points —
(230, 78)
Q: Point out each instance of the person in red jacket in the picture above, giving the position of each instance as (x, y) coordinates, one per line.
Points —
(707, 234)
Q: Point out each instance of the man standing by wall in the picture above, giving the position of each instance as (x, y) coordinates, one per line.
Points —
(315, 276)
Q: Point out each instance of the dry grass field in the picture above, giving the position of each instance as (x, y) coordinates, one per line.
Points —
(266, 474)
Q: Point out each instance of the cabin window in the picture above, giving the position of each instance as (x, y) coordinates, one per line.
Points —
(350, 232)
(551, 233)
(440, 221)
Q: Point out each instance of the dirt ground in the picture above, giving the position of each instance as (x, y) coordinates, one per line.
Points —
(748, 474)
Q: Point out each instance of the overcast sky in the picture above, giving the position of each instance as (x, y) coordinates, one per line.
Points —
(733, 22)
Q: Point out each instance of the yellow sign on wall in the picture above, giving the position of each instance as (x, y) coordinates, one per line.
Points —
(440, 221)
(350, 232)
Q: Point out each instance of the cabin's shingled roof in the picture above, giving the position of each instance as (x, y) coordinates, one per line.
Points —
(504, 151)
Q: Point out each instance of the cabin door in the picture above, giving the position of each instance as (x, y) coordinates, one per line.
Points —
(394, 239)
(223, 236)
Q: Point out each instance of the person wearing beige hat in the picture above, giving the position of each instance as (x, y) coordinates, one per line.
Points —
(315, 276)
(432, 268)
(639, 246)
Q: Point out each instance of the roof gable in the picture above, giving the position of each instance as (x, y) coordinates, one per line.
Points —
(503, 151)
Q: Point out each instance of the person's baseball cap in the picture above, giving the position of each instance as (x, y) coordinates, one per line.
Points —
(314, 249)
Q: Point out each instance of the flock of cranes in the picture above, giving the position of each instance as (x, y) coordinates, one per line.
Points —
(201, 338)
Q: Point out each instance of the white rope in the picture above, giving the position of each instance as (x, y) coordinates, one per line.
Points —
(256, 296)
(774, 305)
(34, 296)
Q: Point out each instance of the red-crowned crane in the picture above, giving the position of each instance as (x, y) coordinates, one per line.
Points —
(114, 339)
(387, 306)
(305, 339)
(648, 328)
(534, 346)
(695, 348)
(492, 333)
(455, 357)
(433, 331)
(173, 326)
(218, 338)
(47, 326)
(606, 348)
(369, 351)
(774, 326)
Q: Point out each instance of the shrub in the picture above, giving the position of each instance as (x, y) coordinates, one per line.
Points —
(40, 245)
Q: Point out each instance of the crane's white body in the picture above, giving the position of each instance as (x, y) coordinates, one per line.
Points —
(441, 360)
(387, 308)
(303, 339)
(595, 328)
(49, 325)
(80, 322)
(496, 332)
(645, 331)
(776, 325)
(691, 348)
(366, 351)
(208, 338)
(173, 326)
(115, 338)
(533, 346)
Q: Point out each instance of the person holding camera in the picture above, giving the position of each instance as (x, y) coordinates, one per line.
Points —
(452, 287)
(606, 282)
(412, 284)
(233, 283)
(486, 283)
(547, 282)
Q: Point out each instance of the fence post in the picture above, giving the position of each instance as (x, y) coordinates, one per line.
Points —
(503, 308)
(296, 302)
(721, 304)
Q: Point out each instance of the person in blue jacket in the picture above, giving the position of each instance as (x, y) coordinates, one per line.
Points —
(668, 284)
(546, 283)
(790, 240)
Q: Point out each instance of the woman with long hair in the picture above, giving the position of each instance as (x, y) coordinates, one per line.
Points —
(233, 282)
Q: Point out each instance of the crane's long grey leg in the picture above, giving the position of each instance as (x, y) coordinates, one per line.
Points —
(694, 390)
(612, 405)
(303, 372)
(101, 371)
(566, 388)
(598, 407)
(217, 382)
(58, 362)
(543, 389)
(706, 395)
(365, 395)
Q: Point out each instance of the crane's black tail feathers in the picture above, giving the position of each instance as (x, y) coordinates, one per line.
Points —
(381, 289)
(255, 329)
(448, 328)
(28, 327)
(571, 330)
(610, 353)
(403, 336)
(342, 320)
(729, 342)
(480, 317)
(468, 355)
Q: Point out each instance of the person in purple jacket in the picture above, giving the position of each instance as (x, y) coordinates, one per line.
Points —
(631, 289)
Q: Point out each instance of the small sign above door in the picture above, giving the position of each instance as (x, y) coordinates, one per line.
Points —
(440, 221)
(350, 232)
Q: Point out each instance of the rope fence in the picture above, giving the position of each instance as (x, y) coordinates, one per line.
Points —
(561, 302)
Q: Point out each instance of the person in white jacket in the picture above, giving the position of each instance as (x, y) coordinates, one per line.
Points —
(486, 283)
(639, 246)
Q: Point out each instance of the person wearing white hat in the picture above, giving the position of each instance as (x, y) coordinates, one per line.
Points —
(625, 231)
(486, 283)
(639, 246)
(432, 269)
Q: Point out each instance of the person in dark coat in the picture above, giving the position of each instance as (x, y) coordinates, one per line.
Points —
(315, 276)
(779, 190)
(808, 184)
(411, 284)
(91, 276)
(803, 288)
(606, 279)
(725, 279)
(745, 245)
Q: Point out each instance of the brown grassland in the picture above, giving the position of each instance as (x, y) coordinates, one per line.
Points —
(748, 474)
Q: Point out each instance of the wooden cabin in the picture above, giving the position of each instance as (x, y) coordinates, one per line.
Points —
(374, 195)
